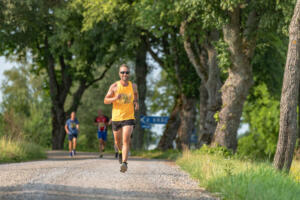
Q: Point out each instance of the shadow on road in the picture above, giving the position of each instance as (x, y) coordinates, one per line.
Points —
(61, 192)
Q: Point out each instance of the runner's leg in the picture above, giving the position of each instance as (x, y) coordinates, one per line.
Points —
(74, 143)
(70, 146)
(118, 138)
(126, 130)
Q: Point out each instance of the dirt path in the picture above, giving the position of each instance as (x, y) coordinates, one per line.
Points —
(89, 178)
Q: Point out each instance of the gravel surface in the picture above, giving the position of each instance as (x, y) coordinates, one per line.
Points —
(89, 178)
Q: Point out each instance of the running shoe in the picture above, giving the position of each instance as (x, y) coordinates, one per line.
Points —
(74, 152)
(100, 156)
(116, 155)
(123, 167)
(71, 154)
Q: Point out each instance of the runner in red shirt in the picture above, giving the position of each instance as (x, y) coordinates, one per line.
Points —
(102, 122)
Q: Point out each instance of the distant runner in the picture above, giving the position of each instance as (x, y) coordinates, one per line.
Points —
(72, 129)
(102, 122)
(124, 96)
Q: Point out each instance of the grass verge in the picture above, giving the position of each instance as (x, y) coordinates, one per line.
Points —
(234, 179)
(17, 151)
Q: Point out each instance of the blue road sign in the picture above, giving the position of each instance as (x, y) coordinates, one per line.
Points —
(154, 120)
(145, 126)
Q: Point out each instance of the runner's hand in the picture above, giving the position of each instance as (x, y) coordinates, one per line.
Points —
(118, 96)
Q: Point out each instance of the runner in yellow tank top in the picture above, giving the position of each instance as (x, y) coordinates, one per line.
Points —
(124, 96)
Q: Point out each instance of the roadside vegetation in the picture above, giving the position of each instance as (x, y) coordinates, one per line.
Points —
(232, 176)
(17, 151)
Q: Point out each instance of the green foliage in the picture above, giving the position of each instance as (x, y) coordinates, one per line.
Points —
(161, 95)
(17, 151)
(269, 60)
(16, 94)
(223, 56)
(261, 111)
(220, 150)
(263, 117)
(25, 107)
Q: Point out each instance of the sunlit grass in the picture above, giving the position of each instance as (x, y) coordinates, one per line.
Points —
(238, 180)
(295, 170)
(17, 150)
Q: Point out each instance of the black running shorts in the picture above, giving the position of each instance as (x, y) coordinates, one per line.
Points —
(116, 125)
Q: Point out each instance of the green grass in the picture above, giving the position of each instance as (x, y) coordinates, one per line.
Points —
(17, 151)
(234, 179)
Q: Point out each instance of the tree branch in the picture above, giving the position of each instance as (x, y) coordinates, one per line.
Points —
(196, 61)
(153, 54)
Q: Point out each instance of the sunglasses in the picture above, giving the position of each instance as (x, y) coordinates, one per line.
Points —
(124, 72)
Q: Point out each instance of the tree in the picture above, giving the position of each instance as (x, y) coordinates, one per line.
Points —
(25, 107)
(239, 23)
(289, 97)
(50, 32)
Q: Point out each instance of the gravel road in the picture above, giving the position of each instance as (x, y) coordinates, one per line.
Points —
(87, 177)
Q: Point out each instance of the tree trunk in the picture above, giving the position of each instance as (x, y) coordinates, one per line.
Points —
(239, 81)
(203, 136)
(204, 60)
(58, 124)
(288, 103)
(169, 135)
(141, 71)
(213, 85)
(187, 125)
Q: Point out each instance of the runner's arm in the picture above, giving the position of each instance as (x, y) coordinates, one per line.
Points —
(110, 96)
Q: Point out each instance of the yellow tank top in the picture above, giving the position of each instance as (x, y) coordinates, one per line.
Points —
(123, 108)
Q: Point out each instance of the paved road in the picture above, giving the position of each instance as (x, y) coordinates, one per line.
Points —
(89, 178)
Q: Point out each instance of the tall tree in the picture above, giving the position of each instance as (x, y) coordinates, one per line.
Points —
(239, 23)
(289, 97)
(241, 44)
(50, 32)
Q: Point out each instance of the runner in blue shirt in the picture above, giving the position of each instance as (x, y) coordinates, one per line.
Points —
(72, 129)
